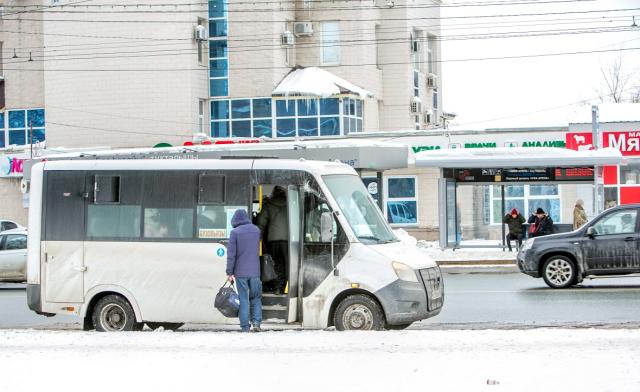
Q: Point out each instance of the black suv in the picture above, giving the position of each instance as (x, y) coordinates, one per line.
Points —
(607, 245)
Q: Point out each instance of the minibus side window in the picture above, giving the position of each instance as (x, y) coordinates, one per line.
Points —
(169, 200)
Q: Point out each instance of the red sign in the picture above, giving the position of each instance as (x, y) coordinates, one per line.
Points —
(579, 141)
(628, 142)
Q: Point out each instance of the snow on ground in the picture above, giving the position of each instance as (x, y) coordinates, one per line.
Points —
(491, 360)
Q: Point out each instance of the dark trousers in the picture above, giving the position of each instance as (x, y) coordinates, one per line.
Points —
(517, 237)
(279, 251)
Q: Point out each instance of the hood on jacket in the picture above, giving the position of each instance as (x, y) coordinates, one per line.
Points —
(514, 211)
(240, 217)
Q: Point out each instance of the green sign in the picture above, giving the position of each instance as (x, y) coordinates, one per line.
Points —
(481, 145)
(546, 143)
(425, 148)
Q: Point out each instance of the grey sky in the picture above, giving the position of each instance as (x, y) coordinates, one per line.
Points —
(520, 92)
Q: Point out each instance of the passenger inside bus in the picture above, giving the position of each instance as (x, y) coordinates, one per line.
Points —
(273, 223)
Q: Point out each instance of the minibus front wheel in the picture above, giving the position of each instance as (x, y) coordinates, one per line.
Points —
(113, 313)
(359, 312)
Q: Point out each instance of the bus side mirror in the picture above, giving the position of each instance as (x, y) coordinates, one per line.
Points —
(591, 232)
(326, 227)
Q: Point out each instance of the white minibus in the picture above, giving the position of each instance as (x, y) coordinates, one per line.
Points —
(121, 243)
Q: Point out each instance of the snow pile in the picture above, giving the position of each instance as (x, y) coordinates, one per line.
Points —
(316, 82)
(454, 360)
(405, 237)
(432, 248)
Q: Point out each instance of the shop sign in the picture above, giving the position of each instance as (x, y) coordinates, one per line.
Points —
(12, 165)
(521, 175)
(628, 142)
(490, 144)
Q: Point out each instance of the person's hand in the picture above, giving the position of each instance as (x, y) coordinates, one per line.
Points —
(231, 278)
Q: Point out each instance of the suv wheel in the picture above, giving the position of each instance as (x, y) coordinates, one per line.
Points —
(559, 272)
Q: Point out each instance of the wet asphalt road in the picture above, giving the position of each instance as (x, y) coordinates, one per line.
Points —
(474, 301)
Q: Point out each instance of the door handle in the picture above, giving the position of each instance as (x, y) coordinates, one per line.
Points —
(629, 239)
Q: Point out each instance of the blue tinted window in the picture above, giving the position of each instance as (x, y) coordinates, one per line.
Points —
(262, 107)
(219, 87)
(17, 137)
(1, 120)
(286, 127)
(35, 118)
(218, 28)
(219, 110)
(329, 126)
(38, 135)
(307, 107)
(217, 48)
(262, 128)
(241, 128)
(218, 68)
(402, 187)
(285, 108)
(240, 108)
(217, 8)
(2, 139)
(359, 125)
(329, 106)
(345, 125)
(308, 126)
(16, 119)
(220, 129)
(359, 108)
(402, 212)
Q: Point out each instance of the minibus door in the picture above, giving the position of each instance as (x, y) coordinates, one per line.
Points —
(294, 206)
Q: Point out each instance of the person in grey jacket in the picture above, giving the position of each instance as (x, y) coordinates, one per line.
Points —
(274, 225)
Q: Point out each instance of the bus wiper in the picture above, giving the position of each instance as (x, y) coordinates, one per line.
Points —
(369, 237)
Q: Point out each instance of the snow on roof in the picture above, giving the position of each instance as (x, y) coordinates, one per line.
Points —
(510, 157)
(609, 113)
(316, 82)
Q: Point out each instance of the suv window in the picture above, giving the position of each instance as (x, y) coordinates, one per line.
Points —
(8, 226)
(620, 222)
(15, 241)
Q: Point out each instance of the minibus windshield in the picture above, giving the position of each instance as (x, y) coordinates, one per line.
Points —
(359, 209)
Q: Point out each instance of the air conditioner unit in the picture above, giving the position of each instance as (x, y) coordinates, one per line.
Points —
(200, 33)
(302, 28)
(431, 81)
(416, 105)
(288, 39)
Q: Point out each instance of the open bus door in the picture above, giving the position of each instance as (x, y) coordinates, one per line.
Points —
(294, 206)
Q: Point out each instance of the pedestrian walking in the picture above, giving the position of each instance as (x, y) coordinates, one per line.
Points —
(579, 215)
(243, 267)
(541, 222)
(514, 221)
(273, 224)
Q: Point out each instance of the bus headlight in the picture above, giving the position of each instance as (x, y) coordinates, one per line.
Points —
(527, 245)
(405, 272)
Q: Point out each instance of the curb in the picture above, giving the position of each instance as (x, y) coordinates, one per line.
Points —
(473, 267)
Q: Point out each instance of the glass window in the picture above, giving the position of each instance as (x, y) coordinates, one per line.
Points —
(218, 28)
(220, 128)
(630, 174)
(217, 48)
(240, 108)
(286, 127)
(330, 47)
(308, 126)
(241, 128)
(262, 107)
(1, 120)
(17, 137)
(262, 128)
(113, 221)
(329, 106)
(218, 68)
(543, 190)
(401, 201)
(215, 221)
(359, 209)
(15, 241)
(220, 110)
(620, 222)
(285, 108)
(358, 125)
(35, 118)
(219, 87)
(38, 135)
(526, 199)
(2, 144)
(168, 222)
(16, 119)
(358, 108)
(307, 107)
(217, 8)
(329, 126)
(211, 188)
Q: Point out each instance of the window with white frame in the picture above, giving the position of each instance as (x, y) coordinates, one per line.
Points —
(330, 39)
(201, 104)
(526, 199)
(352, 115)
(401, 200)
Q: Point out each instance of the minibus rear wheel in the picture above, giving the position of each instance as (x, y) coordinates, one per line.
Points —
(359, 312)
(113, 313)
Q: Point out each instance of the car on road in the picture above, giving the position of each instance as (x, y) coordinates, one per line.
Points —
(607, 245)
(8, 225)
(13, 255)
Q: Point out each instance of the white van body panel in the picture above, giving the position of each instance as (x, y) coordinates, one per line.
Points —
(35, 225)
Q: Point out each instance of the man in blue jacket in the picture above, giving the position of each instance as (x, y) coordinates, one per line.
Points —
(243, 266)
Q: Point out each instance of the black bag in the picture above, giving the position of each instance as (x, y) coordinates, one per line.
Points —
(227, 301)
(267, 268)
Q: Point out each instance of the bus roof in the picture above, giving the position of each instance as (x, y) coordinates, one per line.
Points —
(314, 167)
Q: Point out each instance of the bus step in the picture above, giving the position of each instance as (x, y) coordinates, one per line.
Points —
(274, 312)
(272, 299)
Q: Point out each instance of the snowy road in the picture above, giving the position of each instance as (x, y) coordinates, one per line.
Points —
(489, 360)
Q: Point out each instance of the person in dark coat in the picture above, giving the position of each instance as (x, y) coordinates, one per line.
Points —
(243, 267)
(514, 221)
(543, 223)
(274, 225)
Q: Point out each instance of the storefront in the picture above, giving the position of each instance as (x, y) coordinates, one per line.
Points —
(14, 202)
